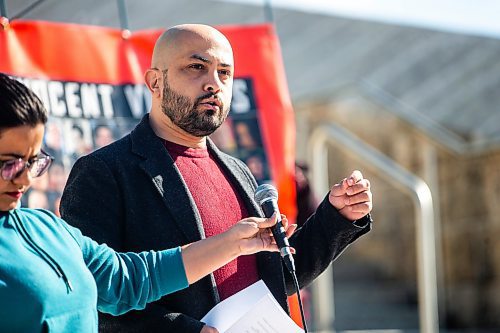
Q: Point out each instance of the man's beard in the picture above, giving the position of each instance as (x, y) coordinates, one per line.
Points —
(184, 114)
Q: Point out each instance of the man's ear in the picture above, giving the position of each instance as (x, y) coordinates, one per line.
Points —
(152, 79)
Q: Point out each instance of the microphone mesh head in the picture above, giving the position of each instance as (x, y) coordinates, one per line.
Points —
(265, 192)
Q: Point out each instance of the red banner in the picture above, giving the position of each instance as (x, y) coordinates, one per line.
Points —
(91, 80)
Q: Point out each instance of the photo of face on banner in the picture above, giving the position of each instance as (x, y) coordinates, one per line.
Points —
(103, 134)
(250, 148)
(247, 134)
(106, 131)
(256, 162)
(78, 139)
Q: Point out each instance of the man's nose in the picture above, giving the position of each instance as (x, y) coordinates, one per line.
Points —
(213, 83)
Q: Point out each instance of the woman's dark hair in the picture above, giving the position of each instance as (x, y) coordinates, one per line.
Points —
(19, 105)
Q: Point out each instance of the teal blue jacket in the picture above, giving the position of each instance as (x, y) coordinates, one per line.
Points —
(54, 279)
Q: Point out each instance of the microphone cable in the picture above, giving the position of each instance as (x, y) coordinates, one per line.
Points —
(297, 289)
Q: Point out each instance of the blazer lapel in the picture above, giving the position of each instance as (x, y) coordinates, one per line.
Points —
(167, 180)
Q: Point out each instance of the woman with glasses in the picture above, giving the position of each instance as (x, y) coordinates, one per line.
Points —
(54, 279)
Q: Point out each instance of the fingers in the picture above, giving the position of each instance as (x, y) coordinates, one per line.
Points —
(256, 236)
(359, 187)
(361, 208)
(266, 223)
(355, 177)
(269, 222)
(284, 221)
(339, 189)
(290, 230)
(343, 187)
(362, 196)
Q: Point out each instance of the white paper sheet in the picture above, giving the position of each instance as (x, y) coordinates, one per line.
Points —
(254, 309)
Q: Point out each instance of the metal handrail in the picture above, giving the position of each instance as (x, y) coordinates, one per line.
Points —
(424, 216)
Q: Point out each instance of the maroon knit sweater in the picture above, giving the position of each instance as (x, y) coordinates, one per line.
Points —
(220, 207)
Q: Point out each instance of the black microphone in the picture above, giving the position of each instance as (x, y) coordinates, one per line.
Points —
(267, 197)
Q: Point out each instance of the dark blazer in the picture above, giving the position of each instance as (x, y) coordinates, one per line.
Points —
(131, 196)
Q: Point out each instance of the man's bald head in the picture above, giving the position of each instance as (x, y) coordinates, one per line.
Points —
(185, 38)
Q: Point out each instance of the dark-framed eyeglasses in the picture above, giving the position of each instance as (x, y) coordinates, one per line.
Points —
(36, 166)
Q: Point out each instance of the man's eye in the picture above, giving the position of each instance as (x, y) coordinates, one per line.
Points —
(225, 72)
(197, 66)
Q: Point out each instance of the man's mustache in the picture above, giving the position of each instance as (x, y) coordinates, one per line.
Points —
(207, 96)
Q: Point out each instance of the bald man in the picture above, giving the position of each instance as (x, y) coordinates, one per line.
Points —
(166, 184)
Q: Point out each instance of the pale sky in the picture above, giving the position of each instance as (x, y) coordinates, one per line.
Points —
(476, 17)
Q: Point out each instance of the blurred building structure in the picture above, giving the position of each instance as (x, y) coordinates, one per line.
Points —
(428, 100)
